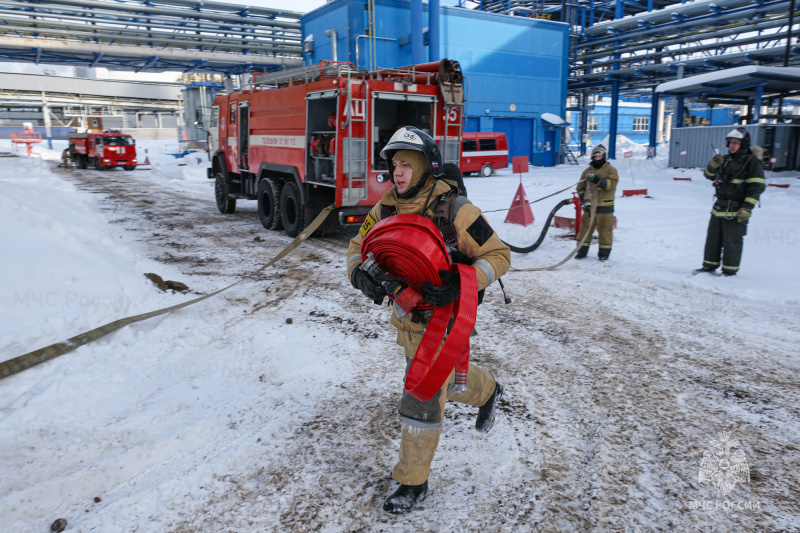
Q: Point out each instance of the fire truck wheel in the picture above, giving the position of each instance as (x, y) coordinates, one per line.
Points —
(486, 171)
(82, 162)
(96, 163)
(291, 210)
(225, 203)
(130, 167)
(269, 207)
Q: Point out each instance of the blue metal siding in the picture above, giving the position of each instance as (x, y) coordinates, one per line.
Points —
(624, 123)
(509, 62)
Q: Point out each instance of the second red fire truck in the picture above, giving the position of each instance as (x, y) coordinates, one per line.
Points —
(108, 149)
(299, 140)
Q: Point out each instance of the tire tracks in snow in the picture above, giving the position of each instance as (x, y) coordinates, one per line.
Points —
(632, 416)
(610, 401)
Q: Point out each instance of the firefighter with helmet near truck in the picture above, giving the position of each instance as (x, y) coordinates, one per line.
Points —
(419, 189)
(738, 178)
(598, 184)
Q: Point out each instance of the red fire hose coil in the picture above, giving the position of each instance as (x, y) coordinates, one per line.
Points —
(412, 248)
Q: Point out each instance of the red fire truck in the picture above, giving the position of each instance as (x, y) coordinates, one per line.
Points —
(299, 140)
(104, 150)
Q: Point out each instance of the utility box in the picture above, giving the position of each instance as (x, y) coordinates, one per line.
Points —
(694, 147)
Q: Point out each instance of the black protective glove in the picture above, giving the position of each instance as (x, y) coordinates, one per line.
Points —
(445, 294)
(371, 288)
(593, 177)
(580, 197)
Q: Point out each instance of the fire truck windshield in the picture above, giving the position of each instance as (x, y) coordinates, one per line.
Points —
(120, 141)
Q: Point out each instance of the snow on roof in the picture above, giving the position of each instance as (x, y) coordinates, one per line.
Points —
(734, 76)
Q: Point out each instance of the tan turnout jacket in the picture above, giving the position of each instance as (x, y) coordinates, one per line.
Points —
(476, 240)
(605, 195)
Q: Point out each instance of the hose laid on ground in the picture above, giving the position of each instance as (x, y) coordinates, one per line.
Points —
(31, 359)
(586, 235)
(535, 245)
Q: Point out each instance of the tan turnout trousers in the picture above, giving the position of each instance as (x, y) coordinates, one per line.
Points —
(418, 446)
(604, 222)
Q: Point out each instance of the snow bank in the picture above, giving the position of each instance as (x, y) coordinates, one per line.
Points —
(64, 268)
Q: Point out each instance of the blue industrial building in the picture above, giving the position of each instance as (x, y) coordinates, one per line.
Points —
(516, 68)
(633, 121)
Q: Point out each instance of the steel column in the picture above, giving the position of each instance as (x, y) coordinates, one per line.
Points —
(417, 46)
(612, 130)
(654, 109)
(433, 30)
(757, 104)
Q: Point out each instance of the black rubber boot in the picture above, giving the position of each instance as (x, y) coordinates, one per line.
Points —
(603, 254)
(486, 412)
(705, 270)
(405, 498)
(728, 272)
(582, 252)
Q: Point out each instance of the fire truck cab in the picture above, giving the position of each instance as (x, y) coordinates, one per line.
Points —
(104, 150)
(299, 140)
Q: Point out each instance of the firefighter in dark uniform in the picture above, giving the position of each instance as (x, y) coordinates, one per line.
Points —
(419, 187)
(739, 180)
(597, 185)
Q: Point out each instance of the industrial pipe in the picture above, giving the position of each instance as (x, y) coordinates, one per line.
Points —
(665, 16)
(253, 47)
(695, 37)
(125, 25)
(688, 50)
(332, 34)
(145, 52)
(358, 61)
(161, 12)
(776, 7)
(647, 68)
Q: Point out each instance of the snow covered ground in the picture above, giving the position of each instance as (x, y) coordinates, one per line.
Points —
(272, 407)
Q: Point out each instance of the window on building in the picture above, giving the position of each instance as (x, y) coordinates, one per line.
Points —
(487, 144)
(591, 124)
(641, 124)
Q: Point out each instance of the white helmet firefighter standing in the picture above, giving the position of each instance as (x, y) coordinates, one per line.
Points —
(738, 177)
(420, 189)
(597, 185)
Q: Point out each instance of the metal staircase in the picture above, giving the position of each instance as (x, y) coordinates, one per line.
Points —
(568, 154)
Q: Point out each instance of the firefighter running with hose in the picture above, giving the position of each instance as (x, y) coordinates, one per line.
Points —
(421, 190)
(738, 177)
(598, 184)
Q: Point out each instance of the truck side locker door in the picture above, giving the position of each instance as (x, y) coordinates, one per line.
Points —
(232, 141)
(213, 131)
(244, 134)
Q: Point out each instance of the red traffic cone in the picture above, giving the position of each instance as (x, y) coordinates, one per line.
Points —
(146, 158)
(520, 211)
